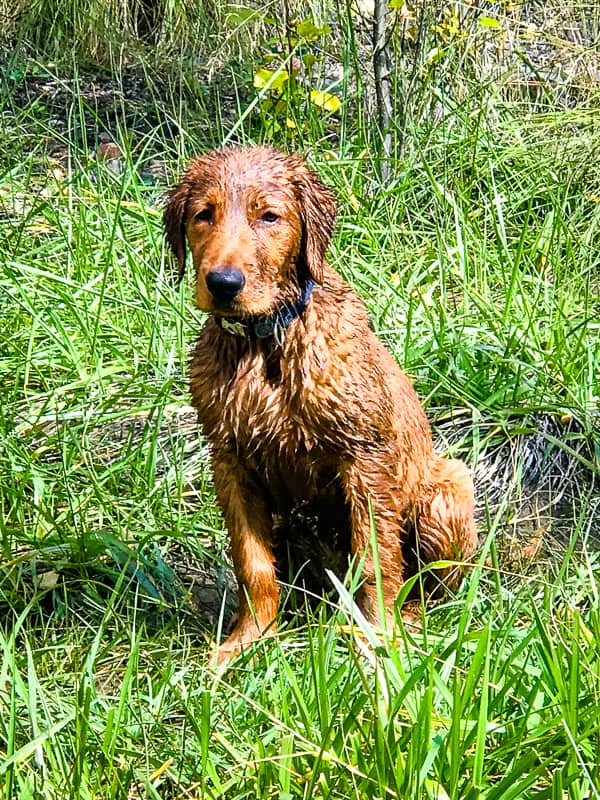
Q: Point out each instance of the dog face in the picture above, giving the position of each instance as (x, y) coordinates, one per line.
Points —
(257, 223)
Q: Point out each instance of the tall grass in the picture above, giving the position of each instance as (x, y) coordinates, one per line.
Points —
(496, 697)
(478, 261)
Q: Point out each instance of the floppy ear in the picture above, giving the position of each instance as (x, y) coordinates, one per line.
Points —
(174, 219)
(318, 210)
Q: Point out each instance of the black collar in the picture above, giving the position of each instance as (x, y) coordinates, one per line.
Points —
(269, 326)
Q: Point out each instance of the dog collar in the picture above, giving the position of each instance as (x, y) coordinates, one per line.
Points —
(272, 325)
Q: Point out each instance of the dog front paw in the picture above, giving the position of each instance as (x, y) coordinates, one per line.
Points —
(242, 638)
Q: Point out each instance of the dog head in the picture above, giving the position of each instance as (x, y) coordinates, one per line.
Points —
(258, 224)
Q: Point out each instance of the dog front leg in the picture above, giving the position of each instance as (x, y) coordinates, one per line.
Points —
(249, 524)
(372, 503)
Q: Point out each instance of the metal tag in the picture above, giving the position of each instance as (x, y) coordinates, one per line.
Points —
(231, 326)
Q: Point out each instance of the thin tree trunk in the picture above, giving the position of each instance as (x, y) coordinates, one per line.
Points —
(382, 69)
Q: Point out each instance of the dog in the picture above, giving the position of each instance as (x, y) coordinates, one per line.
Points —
(306, 412)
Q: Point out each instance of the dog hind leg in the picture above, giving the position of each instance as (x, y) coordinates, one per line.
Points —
(445, 529)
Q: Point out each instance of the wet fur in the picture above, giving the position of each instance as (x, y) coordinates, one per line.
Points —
(325, 429)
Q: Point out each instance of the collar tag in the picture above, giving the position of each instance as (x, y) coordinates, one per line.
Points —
(279, 332)
(233, 326)
(264, 327)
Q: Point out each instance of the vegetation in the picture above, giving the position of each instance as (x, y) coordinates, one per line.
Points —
(477, 251)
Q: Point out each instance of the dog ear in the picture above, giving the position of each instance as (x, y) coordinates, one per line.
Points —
(174, 219)
(318, 209)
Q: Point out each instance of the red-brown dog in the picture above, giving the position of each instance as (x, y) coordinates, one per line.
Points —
(302, 404)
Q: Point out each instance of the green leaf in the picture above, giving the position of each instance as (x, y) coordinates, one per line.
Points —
(310, 60)
(240, 16)
(434, 55)
(308, 31)
(326, 101)
(274, 80)
(489, 22)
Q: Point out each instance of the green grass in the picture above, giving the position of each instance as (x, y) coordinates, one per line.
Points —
(479, 263)
(496, 697)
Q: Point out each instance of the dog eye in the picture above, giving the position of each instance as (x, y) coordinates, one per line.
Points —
(269, 217)
(206, 215)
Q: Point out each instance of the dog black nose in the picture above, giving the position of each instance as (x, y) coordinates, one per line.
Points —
(225, 284)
